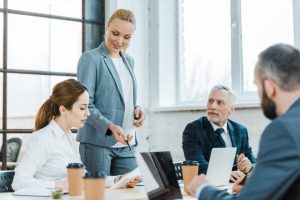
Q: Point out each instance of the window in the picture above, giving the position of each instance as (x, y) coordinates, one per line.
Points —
(25, 94)
(45, 44)
(41, 41)
(70, 8)
(1, 41)
(262, 30)
(221, 40)
(206, 47)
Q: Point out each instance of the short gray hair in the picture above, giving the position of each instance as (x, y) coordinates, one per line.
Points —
(231, 93)
(281, 63)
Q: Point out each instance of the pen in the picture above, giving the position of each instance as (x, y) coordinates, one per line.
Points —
(128, 144)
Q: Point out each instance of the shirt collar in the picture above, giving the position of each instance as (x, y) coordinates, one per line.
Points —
(215, 127)
(58, 132)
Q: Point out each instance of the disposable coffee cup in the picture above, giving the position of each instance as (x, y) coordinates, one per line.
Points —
(94, 186)
(75, 182)
(189, 171)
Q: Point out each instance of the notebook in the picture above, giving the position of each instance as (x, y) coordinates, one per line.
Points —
(158, 174)
(220, 165)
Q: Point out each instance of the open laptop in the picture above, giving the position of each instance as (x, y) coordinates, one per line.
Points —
(159, 175)
(220, 165)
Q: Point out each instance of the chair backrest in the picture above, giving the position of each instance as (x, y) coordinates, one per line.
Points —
(178, 170)
(6, 178)
(13, 149)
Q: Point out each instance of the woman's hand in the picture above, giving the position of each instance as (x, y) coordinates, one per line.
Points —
(133, 182)
(119, 134)
(139, 116)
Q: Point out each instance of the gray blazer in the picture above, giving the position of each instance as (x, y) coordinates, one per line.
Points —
(277, 171)
(97, 72)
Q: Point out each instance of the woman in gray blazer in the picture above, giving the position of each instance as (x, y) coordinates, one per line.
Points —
(108, 139)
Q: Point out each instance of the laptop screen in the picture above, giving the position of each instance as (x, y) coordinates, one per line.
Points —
(159, 175)
(220, 165)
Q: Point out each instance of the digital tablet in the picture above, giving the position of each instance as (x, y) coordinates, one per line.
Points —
(126, 178)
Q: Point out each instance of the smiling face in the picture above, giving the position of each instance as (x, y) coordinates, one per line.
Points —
(219, 106)
(77, 116)
(119, 33)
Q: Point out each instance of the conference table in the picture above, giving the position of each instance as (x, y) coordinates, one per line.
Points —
(136, 193)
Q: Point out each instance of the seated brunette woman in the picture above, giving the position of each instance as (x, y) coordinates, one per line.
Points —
(52, 145)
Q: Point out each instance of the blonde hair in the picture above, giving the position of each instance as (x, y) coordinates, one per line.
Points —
(123, 14)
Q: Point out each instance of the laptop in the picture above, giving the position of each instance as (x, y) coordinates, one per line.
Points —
(159, 175)
(220, 165)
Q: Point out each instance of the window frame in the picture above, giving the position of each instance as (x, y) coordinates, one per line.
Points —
(243, 98)
(93, 13)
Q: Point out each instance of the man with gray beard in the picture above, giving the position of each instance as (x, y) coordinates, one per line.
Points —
(217, 130)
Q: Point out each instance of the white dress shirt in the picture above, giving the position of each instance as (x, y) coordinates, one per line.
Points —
(49, 152)
(127, 87)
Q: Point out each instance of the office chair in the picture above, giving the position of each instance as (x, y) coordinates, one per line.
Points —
(178, 170)
(6, 179)
(13, 149)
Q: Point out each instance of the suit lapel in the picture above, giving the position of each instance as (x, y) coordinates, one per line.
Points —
(233, 135)
(212, 136)
(109, 63)
(114, 73)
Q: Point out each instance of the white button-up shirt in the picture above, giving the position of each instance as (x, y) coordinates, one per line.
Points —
(49, 152)
(127, 87)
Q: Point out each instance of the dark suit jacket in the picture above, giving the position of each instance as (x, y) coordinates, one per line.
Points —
(199, 139)
(276, 174)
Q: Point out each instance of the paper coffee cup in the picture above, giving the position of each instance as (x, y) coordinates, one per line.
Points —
(94, 186)
(75, 182)
(189, 171)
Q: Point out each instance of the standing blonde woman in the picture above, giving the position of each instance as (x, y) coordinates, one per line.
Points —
(107, 72)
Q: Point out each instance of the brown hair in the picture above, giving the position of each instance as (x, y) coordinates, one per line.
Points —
(123, 14)
(65, 93)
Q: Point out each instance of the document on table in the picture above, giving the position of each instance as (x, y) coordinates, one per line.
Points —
(36, 191)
